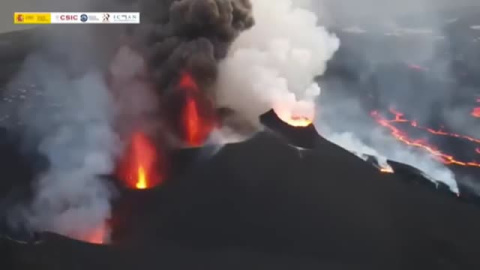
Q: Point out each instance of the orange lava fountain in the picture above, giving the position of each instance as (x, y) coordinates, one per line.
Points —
(139, 169)
(197, 116)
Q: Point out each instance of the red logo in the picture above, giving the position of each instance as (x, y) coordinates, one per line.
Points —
(19, 18)
(69, 17)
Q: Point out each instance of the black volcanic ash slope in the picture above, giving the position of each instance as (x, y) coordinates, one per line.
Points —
(263, 204)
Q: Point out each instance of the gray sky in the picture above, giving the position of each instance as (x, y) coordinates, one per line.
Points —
(7, 8)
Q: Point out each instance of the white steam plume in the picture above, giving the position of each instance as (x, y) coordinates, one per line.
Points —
(72, 121)
(273, 65)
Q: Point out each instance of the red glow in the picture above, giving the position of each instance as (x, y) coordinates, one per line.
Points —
(197, 116)
(417, 67)
(139, 169)
(421, 144)
(476, 112)
(98, 236)
(187, 82)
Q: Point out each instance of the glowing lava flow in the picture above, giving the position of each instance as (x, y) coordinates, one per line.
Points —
(139, 169)
(197, 115)
(399, 118)
(403, 137)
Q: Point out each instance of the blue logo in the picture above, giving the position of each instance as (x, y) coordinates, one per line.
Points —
(83, 17)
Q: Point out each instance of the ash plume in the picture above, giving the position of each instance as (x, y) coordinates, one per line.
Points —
(274, 63)
(188, 36)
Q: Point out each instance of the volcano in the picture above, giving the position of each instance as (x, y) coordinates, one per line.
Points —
(265, 204)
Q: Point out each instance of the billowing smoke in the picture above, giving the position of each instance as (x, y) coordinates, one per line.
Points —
(275, 62)
(189, 36)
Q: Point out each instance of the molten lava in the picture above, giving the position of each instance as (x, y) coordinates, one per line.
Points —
(386, 170)
(142, 179)
(422, 144)
(197, 115)
(140, 167)
(294, 120)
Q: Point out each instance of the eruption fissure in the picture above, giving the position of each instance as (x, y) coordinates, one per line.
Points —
(421, 144)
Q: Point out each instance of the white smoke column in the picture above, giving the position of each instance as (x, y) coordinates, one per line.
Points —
(274, 63)
(72, 119)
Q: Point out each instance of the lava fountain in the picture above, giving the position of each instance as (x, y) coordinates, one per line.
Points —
(197, 113)
(140, 167)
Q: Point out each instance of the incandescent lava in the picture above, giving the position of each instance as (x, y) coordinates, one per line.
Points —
(140, 166)
(421, 144)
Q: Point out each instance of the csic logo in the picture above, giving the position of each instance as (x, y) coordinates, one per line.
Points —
(106, 17)
(83, 17)
(69, 17)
